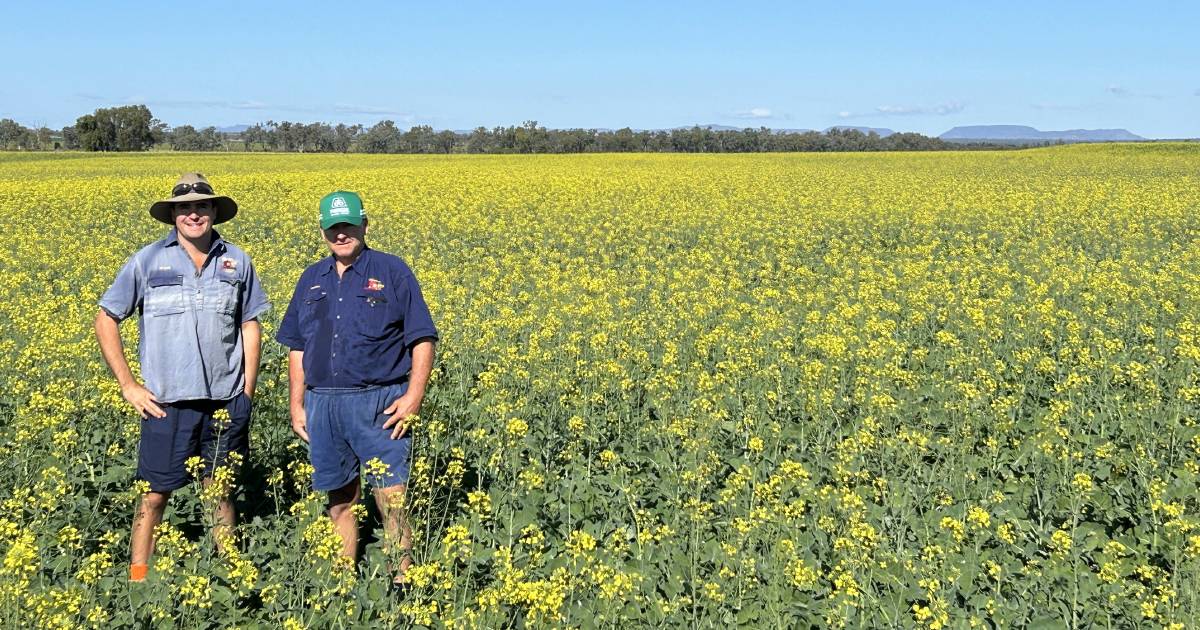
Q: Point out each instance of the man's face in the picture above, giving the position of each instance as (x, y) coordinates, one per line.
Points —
(194, 219)
(345, 240)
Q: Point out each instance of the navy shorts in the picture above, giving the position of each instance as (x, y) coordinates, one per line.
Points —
(189, 430)
(345, 432)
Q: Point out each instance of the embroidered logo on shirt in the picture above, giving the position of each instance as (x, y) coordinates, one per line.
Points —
(229, 264)
(374, 285)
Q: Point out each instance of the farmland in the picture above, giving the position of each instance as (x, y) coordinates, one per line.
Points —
(882, 390)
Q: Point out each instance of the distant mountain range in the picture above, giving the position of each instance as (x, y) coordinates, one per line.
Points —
(1021, 133)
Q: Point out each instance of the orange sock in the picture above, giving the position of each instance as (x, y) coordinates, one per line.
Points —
(137, 572)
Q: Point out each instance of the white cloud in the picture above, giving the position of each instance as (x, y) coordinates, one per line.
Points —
(1123, 92)
(757, 113)
(251, 105)
(347, 108)
(942, 109)
(1059, 107)
(920, 110)
(139, 99)
(215, 104)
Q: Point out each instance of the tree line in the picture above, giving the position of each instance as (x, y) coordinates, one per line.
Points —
(134, 128)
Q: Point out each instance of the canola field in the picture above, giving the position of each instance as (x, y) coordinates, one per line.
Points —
(937, 390)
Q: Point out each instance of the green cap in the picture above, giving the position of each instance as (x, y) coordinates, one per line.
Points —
(341, 206)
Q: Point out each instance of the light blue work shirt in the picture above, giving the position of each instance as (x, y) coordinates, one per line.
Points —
(191, 321)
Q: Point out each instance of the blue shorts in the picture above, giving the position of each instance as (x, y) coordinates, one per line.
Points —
(345, 431)
(189, 430)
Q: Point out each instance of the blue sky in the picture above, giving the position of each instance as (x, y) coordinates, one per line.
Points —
(922, 67)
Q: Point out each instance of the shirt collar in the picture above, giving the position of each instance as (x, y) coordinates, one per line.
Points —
(359, 263)
(216, 245)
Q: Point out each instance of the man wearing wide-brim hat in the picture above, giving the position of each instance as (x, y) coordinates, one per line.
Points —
(198, 299)
(193, 187)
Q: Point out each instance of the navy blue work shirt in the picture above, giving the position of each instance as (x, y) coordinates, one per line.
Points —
(357, 330)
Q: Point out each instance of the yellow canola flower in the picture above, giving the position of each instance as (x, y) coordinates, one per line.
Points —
(680, 354)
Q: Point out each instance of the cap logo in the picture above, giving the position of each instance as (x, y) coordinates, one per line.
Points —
(338, 207)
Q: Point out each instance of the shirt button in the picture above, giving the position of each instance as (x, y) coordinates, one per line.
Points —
(339, 316)
(335, 354)
(339, 299)
(335, 336)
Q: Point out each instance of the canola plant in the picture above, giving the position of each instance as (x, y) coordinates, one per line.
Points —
(851, 390)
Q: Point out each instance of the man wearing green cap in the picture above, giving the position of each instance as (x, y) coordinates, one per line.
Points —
(199, 300)
(361, 340)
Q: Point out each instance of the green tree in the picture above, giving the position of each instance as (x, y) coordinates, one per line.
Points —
(344, 136)
(45, 138)
(70, 137)
(94, 134)
(446, 140)
(186, 138)
(10, 133)
(125, 128)
(384, 137)
(479, 141)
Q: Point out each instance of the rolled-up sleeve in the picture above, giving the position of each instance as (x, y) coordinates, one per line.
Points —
(418, 323)
(254, 299)
(289, 333)
(125, 295)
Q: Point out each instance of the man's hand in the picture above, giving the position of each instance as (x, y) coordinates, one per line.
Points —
(400, 410)
(296, 394)
(300, 422)
(138, 397)
(142, 401)
(251, 353)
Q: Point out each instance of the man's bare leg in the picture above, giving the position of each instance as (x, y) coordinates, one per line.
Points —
(390, 502)
(141, 544)
(341, 502)
(224, 518)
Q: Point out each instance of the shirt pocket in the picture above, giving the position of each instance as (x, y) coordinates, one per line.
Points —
(223, 295)
(312, 309)
(164, 295)
(374, 312)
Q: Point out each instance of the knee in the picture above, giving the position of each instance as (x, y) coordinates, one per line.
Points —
(155, 501)
(390, 498)
(338, 511)
(342, 499)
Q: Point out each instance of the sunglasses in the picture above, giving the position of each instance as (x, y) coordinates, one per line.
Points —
(182, 189)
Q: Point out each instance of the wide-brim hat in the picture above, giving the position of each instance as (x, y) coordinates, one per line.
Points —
(193, 187)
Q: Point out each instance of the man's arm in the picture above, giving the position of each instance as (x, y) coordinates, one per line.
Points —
(108, 334)
(410, 403)
(422, 366)
(296, 393)
(252, 351)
